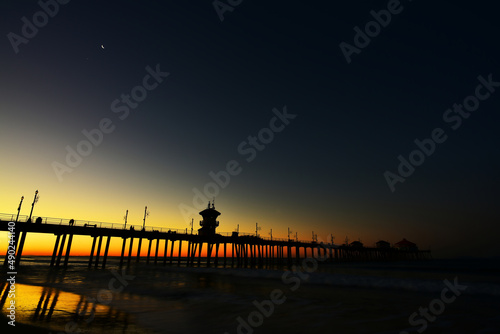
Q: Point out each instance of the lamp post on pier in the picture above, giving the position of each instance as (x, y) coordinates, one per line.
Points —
(35, 199)
(19, 208)
(257, 229)
(126, 216)
(146, 214)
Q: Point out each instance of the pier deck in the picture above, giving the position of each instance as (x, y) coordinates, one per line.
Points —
(245, 249)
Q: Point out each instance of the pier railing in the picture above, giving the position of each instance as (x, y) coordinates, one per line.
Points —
(87, 223)
(121, 226)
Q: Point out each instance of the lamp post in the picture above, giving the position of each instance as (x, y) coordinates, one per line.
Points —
(35, 199)
(257, 229)
(146, 214)
(126, 216)
(19, 208)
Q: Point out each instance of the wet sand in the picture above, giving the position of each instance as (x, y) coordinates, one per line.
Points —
(343, 299)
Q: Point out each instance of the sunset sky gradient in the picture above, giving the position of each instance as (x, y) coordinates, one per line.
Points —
(323, 172)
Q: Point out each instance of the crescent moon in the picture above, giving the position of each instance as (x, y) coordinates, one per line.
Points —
(102, 46)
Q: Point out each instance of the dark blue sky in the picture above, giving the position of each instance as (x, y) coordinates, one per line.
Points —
(323, 172)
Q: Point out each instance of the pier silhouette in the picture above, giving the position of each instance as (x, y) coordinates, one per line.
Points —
(246, 249)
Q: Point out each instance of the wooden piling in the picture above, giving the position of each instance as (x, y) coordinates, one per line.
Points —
(193, 251)
(149, 250)
(130, 251)
(92, 251)
(209, 253)
(180, 253)
(19, 253)
(225, 255)
(105, 257)
(165, 252)
(61, 247)
(232, 254)
(199, 253)
(123, 251)
(216, 262)
(156, 252)
(98, 253)
(54, 252)
(188, 254)
(172, 251)
(68, 249)
(138, 250)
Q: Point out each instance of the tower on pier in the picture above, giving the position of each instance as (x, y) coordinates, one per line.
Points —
(209, 222)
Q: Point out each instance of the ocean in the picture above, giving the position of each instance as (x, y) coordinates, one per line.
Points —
(436, 296)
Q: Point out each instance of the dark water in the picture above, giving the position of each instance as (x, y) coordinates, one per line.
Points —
(333, 298)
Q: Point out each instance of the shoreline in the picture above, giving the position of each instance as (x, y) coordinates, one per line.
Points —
(352, 297)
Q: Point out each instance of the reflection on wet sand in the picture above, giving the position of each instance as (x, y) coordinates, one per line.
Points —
(66, 312)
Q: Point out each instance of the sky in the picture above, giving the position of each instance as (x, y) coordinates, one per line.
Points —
(290, 115)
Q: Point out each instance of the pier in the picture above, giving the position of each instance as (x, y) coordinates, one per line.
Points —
(164, 246)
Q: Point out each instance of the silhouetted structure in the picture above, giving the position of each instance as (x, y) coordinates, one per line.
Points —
(406, 245)
(383, 244)
(356, 244)
(209, 222)
(244, 249)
